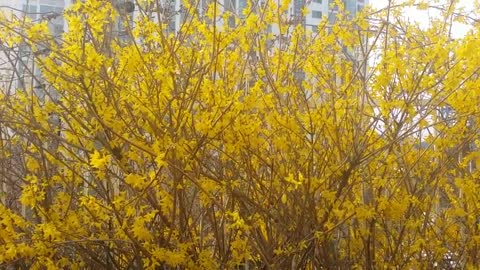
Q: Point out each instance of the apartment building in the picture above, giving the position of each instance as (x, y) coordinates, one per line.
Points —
(17, 69)
(317, 10)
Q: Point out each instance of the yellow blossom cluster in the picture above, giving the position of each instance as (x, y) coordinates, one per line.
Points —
(224, 146)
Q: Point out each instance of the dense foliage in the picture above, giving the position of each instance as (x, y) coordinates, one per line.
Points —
(223, 145)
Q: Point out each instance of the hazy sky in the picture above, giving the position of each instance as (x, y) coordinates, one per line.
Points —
(422, 16)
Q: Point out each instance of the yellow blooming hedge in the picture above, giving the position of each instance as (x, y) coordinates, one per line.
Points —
(225, 145)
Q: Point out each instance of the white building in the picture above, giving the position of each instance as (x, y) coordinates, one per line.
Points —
(17, 67)
(318, 9)
(16, 64)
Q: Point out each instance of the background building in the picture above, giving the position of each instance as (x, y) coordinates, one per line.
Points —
(17, 69)
(317, 10)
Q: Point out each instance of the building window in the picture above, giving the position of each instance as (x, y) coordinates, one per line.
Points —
(30, 11)
(315, 28)
(55, 18)
(332, 5)
(242, 5)
(316, 14)
(317, 1)
(297, 7)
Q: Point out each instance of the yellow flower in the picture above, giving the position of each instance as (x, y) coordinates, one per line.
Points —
(98, 160)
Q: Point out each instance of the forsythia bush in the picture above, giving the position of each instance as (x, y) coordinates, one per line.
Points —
(223, 145)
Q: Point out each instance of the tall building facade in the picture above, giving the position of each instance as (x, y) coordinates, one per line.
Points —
(317, 10)
(17, 69)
